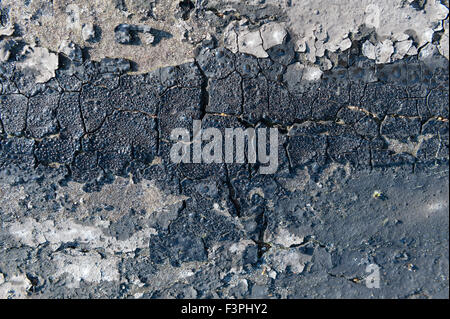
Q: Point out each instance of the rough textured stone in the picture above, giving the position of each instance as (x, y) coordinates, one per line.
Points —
(92, 205)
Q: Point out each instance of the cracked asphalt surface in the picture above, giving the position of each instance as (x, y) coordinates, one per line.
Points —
(92, 207)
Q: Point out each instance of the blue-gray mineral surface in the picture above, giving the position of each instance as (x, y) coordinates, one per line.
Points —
(224, 149)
